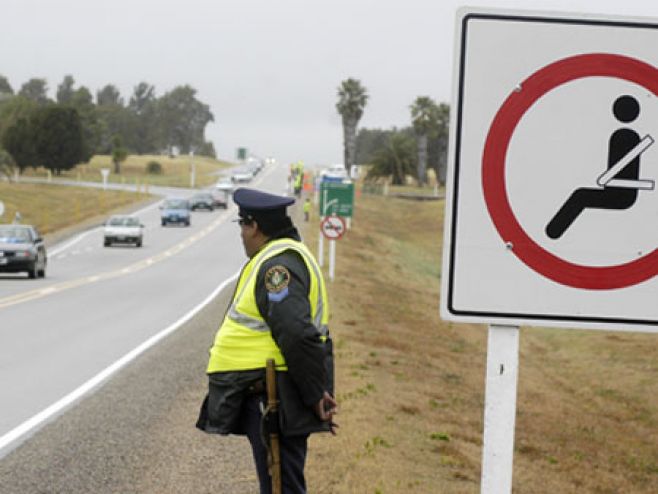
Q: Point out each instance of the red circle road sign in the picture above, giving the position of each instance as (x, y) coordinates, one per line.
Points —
(493, 171)
(333, 227)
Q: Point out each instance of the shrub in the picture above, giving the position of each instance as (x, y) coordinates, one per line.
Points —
(154, 168)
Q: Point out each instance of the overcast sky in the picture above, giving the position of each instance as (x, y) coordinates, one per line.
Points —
(269, 69)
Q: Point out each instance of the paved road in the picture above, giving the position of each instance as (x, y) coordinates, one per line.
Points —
(68, 334)
(136, 433)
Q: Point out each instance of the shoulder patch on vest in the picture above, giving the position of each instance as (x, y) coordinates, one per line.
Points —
(277, 278)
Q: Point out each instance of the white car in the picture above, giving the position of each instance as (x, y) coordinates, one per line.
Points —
(224, 185)
(242, 175)
(335, 172)
(123, 229)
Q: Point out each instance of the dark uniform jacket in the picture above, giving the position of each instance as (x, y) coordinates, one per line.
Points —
(308, 358)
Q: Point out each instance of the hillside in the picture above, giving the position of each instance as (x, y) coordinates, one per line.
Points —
(411, 386)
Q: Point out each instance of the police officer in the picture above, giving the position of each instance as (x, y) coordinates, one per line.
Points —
(279, 310)
(299, 182)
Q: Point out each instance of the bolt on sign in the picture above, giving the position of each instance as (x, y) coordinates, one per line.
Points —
(552, 202)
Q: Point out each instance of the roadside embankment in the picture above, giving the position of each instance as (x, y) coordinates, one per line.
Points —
(411, 386)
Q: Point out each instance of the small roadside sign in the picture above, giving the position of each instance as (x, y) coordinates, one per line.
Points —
(336, 198)
(2, 208)
(333, 227)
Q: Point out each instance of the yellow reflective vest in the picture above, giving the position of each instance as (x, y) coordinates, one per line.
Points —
(299, 180)
(244, 340)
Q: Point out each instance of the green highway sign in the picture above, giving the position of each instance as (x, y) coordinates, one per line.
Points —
(336, 198)
(242, 154)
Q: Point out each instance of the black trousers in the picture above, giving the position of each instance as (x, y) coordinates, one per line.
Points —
(293, 450)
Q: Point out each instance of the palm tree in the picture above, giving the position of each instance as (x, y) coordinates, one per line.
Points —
(425, 117)
(352, 99)
(442, 138)
(396, 159)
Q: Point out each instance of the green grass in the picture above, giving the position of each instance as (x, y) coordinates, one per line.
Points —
(587, 400)
(175, 171)
(54, 207)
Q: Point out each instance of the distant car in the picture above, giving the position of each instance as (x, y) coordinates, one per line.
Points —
(123, 229)
(220, 198)
(242, 175)
(253, 168)
(334, 173)
(202, 200)
(22, 249)
(224, 185)
(175, 210)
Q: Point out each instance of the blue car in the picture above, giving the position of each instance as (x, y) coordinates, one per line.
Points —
(175, 210)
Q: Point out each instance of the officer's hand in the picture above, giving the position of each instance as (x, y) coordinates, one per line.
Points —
(326, 408)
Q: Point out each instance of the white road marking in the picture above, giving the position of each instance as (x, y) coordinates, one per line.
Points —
(41, 417)
(133, 268)
(49, 412)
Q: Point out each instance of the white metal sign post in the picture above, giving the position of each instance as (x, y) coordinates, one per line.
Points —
(325, 207)
(551, 196)
(333, 228)
(500, 409)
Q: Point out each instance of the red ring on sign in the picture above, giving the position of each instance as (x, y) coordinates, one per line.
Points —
(493, 171)
(327, 221)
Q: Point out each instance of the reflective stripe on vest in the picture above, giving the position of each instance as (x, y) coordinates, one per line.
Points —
(244, 339)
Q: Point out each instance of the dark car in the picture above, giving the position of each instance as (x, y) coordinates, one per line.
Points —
(175, 210)
(220, 198)
(22, 250)
(202, 200)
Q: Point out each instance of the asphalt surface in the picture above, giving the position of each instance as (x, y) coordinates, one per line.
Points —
(98, 303)
(136, 433)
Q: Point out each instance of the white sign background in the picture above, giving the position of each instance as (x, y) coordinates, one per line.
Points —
(560, 144)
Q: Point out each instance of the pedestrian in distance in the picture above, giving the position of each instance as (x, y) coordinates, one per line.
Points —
(279, 311)
(307, 209)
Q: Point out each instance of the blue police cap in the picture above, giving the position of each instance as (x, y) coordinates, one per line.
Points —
(255, 201)
(268, 210)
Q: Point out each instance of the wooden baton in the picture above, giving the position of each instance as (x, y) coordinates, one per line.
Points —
(272, 408)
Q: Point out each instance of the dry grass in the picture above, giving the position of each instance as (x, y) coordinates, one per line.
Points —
(54, 207)
(411, 387)
(175, 171)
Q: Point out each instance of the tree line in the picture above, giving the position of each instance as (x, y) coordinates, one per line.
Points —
(396, 152)
(58, 134)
